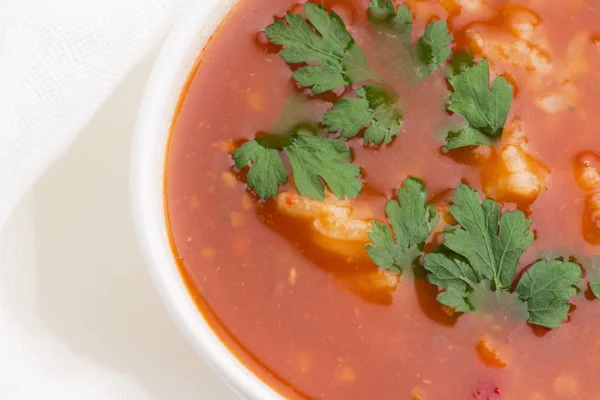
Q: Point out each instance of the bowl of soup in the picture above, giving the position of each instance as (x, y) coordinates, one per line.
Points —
(355, 199)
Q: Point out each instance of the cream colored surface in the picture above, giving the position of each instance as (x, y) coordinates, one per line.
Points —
(79, 317)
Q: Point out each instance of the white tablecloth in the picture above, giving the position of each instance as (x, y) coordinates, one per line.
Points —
(79, 318)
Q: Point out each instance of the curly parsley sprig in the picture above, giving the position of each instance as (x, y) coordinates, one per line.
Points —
(334, 59)
(412, 220)
(315, 161)
(484, 109)
(483, 251)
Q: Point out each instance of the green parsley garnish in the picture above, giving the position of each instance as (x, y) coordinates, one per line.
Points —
(485, 110)
(432, 49)
(476, 266)
(546, 288)
(460, 62)
(333, 56)
(375, 108)
(593, 275)
(395, 28)
(485, 247)
(315, 161)
(266, 168)
(412, 221)
(491, 241)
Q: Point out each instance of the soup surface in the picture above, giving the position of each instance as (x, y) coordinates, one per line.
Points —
(303, 305)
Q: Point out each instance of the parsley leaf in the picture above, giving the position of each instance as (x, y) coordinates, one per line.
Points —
(593, 275)
(333, 56)
(375, 108)
(267, 171)
(394, 29)
(432, 49)
(460, 62)
(484, 109)
(480, 255)
(412, 221)
(547, 287)
(467, 136)
(492, 242)
(315, 161)
(465, 290)
(455, 276)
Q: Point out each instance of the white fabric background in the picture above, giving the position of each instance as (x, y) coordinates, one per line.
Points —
(79, 318)
(59, 61)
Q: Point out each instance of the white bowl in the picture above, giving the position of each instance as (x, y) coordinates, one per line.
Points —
(159, 105)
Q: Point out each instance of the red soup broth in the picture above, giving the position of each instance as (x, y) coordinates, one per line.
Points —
(289, 309)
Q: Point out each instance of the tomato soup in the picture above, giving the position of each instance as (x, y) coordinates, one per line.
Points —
(293, 292)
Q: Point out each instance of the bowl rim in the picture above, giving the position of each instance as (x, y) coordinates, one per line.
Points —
(159, 106)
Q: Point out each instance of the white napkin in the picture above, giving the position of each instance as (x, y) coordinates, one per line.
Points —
(60, 60)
